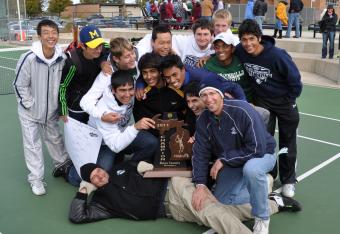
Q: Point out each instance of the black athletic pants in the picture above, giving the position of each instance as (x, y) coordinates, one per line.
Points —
(286, 112)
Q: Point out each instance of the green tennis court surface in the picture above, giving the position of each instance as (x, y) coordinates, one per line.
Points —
(319, 140)
(8, 60)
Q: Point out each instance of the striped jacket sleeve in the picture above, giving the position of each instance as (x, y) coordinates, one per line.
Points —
(68, 73)
(22, 82)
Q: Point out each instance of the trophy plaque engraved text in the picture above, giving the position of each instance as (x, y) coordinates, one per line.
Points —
(174, 155)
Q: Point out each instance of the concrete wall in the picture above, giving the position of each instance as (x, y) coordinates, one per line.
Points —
(107, 10)
(80, 10)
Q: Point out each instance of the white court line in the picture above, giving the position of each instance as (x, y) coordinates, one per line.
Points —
(318, 167)
(313, 170)
(9, 58)
(210, 231)
(319, 116)
(317, 140)
(12, 69)
(15, 49)
(63, 46)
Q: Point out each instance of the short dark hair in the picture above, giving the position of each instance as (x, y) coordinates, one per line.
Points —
(170, 61)
(249, 26)
(120, 78)
(159, 29)
(150, 60)
(46, 22)
(192, 89)
(203, 24)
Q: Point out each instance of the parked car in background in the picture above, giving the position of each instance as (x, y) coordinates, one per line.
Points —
(27, 29)
(34, 23)
(95, 16)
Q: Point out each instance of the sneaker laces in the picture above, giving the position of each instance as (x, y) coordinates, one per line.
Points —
(277, 199)
(290, 187)
(285, 203)
(261, 226)
(39, 183)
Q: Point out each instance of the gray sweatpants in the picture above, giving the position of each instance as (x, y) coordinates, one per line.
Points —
(31, 133)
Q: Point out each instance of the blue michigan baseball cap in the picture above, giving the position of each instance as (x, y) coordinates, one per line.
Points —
(91, 36)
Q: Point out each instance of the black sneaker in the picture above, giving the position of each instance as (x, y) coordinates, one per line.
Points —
(62, 169)
(285, 203)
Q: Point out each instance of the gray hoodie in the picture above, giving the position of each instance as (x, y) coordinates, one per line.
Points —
(36, 84)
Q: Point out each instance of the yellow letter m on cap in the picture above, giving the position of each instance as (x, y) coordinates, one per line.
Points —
(93, 34)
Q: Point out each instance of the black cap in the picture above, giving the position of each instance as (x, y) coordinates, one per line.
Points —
(86, 170)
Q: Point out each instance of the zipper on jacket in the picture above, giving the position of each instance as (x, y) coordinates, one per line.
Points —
(217, 118)
(48, 85)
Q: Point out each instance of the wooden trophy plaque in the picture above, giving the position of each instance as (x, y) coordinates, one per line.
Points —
(174, 154)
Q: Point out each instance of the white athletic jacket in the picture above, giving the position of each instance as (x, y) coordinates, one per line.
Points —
(119, 135)
(36, 84)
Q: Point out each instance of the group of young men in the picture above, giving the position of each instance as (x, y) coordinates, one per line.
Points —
(228, 106)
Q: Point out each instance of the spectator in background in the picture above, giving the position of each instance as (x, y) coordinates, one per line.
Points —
(169, 9)
(259, 11)
(207, 9)
(187, 11)
(281, 18)
(295, 8)
(162, 11)
(220, 5)
(154, 10)
(328, 28)
(148, 7)
(179, 12)
(248, 14)
(196, 10)
(215, 3)
(188, 8)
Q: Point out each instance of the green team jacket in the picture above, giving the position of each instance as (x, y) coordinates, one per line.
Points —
(233, 72)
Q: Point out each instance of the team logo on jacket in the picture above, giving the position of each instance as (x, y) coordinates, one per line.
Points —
(120, 172)
(259, 73)
(191, 60)
(233, 131)
(92, 134)
(233, 76)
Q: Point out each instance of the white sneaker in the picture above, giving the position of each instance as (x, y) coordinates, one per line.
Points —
(38, 188)
(288, 190)
(261, 226)
(270, 182)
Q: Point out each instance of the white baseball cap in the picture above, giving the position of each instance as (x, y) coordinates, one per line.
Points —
(226, 37)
